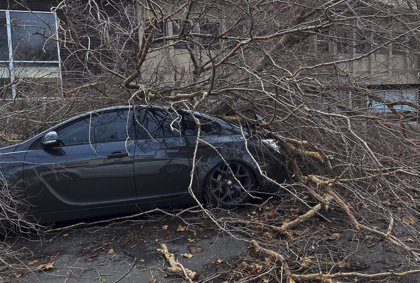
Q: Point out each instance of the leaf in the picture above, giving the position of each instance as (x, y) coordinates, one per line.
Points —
(291, 280)
(219, 261)
(165, 227)
(187, 255)
(45, 266)
(267, 261)
(191, 240)
(153, 279)
(409, 220)
(49, 266)
(343, 264)
(111, 251)
(181, 228)
(257, 267)
(333, 236)
(306, 261)
(101, 278)
(196, 249)
(18, 273)
(269, 234)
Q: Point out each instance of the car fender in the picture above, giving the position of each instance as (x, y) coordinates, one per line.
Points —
(11, 165)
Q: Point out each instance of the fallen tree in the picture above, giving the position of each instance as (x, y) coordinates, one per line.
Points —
(293, 72)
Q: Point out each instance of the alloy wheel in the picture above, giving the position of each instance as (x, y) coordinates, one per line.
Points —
(230, 184)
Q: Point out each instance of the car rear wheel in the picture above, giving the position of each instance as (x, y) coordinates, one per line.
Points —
(230, 184)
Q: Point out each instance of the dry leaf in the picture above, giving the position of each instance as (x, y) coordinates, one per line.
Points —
(101, 278)
(45, 266)
(244, 265)
(165, 227)
(306, 261)
(343, 264)
(195, 250)
(291, 280)
(269, 234)
(219, 261)
(334, 236)
(187, 255)
(18, 273)
(267, 261)
(409, 220)
(153, 279)
(191, 240)
(257, 267)
(181, 228)
(111, 251)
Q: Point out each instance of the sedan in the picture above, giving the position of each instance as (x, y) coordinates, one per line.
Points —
(121, 159)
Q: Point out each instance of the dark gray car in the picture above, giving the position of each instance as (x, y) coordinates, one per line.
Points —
(121, 159)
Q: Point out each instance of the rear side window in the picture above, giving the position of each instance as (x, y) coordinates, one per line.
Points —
(160, 124)
(157, 123)
(208, 126)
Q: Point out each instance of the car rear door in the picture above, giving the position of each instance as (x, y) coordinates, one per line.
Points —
(162, 161)
(92, 168)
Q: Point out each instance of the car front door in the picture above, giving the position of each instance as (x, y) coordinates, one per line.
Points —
(93, 166)
(162, 161)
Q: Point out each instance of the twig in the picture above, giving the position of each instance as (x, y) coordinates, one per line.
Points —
(128, 271)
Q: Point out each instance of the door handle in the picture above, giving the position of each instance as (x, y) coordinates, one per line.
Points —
(117, 154)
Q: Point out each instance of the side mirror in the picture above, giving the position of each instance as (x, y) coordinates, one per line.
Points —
(50, 139)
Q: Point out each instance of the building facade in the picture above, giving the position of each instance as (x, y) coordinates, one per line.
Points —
(383, 60)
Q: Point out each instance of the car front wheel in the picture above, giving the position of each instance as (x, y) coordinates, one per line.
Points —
(230, 184)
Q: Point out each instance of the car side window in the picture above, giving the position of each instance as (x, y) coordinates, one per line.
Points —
(76, 133)
(189, 126)
(103, 127)
(156, 123)
(208, 126)
(109, 127)
(160, 124)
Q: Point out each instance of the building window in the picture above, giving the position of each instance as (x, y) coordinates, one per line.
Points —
(344, 39)
(157, 32)
(399, 44)
(28, 48)
(362, 42)
(323, 41)
(187, 26)
(211, 30)
(378, 41)
(410, 95)
(414, 54)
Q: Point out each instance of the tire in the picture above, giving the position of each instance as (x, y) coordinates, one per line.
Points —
(223, 188)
